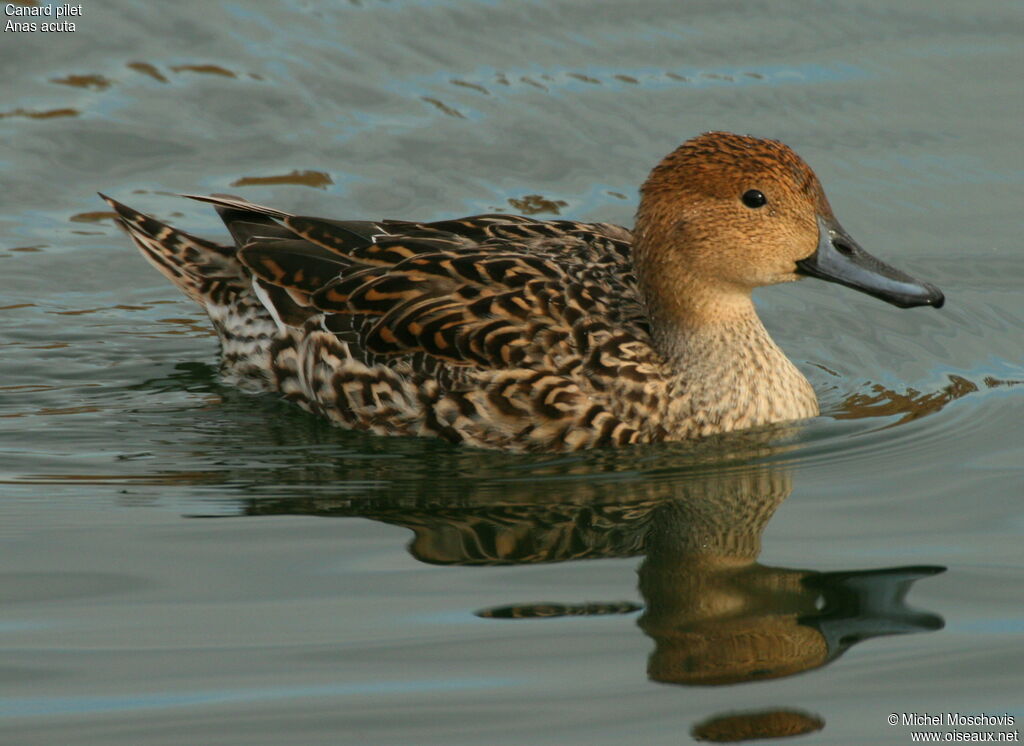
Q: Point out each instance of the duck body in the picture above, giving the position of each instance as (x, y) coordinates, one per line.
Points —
(507, 332)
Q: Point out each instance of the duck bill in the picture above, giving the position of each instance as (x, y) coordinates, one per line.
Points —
(840, 259)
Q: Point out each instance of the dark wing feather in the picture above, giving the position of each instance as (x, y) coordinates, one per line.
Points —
(342, 236)
(292, 263)
(484, 291)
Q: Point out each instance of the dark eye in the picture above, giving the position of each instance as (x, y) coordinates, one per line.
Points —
(754, 198)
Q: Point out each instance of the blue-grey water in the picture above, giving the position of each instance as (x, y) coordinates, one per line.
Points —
(184, 563)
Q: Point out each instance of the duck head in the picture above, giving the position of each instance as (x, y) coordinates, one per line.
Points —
(726, 213)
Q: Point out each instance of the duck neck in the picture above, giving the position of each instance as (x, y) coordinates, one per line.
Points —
(726, 372)
(696, 324)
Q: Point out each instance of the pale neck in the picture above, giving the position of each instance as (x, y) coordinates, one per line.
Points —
(694, 322)
(726, 372)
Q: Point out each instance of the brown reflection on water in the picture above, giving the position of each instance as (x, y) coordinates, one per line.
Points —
(204, 70)
(96, 82)
(147, 69)
(555, 609)
(443, 107)
(911, 404)
(175, 478)
(187, 326)
(48, 114)
(534, 204)
(51, 346)
(750, 726)
(93, 217)
(472, 86)
(317, 179)
(715, 615)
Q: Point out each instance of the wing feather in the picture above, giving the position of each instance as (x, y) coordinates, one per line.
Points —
(487, 291)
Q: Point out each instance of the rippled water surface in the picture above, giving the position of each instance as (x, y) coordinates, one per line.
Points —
(184, 563)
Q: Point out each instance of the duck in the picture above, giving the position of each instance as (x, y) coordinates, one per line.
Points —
(517, 333)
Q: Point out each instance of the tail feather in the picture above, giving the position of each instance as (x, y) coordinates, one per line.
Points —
(205, 271)
(238, 203)
(212, 275)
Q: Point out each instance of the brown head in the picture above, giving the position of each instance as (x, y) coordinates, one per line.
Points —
(726, 213)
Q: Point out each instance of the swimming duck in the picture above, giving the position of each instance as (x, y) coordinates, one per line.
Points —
(510, 332)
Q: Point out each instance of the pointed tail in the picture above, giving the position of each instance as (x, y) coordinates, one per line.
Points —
(211, 275)
(207, 272)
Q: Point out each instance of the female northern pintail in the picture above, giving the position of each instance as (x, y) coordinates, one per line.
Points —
(508, 332)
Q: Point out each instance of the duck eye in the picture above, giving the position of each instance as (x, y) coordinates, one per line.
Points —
(754, 198)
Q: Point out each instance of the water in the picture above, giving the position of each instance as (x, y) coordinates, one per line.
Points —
(184, 563)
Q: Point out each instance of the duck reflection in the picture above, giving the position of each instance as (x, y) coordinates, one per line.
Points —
(735, 727)
(715, 614)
